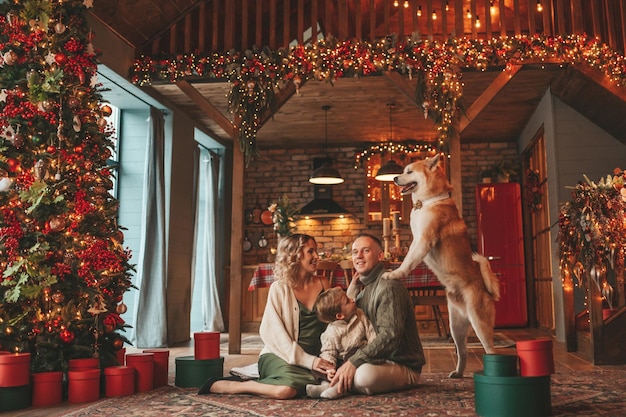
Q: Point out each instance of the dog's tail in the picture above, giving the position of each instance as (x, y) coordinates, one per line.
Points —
(491, 280)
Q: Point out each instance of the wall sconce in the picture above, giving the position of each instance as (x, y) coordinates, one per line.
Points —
(477, 24)
(539, 6)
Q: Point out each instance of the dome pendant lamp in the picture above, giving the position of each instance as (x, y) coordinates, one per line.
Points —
(326, 174)
(389, 171)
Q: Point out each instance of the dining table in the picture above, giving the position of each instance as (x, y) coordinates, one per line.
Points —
(420, 277)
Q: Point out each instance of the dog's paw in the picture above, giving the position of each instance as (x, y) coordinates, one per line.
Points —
(455, 374)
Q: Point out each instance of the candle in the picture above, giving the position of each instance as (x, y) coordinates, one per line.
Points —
(386, 227)
(396, 220)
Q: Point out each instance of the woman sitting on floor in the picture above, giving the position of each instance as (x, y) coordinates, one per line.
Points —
(289, 328)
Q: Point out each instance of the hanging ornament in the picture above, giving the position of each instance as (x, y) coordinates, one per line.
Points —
(106, 110)
(12, 17)
(607, 293)
(118, 343)
(596, 272)
(8, 133)
(73, 102)
(51, 149)
(58, 297)
(250, 84)
(60, 58)
(5, 183)
(56, 223)
(9, 57)
(578, 271)
(76, 124)
(67, 336)
(59, 28)
(37, 140)
(121, 308)
(297, 81)
(45, 105)
(102, 122)
(90, 49)
(39, 169)
(18, 140)
(13, 164)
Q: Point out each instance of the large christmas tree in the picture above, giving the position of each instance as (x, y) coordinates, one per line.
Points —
(64, 269)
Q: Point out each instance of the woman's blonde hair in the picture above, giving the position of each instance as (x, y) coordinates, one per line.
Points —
(288, 256)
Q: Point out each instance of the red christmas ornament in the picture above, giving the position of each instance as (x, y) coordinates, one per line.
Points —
(118, 344)
(13, 164)
(60, 58)
(66, 336)
(108, 328)
(51, 149)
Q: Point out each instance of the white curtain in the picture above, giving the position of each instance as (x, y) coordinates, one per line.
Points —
(206, 230)
(150, 329)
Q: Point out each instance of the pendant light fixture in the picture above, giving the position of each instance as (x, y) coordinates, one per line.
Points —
(391, 169)
(326, 174)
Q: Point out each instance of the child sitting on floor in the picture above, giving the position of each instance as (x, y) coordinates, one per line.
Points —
(348, 330)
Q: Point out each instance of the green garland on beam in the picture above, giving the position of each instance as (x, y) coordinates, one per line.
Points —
(255, 75)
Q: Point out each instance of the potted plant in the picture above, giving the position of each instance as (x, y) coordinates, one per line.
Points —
(500, 172)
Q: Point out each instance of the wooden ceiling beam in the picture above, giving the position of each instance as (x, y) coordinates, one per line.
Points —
(483, 100)
(208, 108)
(601, 79)
(281, 98)
(402, 85)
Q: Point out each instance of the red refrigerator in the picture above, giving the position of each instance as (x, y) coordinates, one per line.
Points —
(501, 240)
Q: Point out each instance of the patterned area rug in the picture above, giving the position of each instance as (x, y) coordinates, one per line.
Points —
(429, 341)
(590, 393)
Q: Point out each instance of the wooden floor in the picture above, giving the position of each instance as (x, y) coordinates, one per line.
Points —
(437, 360)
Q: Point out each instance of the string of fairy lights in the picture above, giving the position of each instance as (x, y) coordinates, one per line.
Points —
(256, 75)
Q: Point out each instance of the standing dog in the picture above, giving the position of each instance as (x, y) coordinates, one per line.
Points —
(440, 239)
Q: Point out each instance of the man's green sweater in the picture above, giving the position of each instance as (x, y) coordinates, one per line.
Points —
(387, 304)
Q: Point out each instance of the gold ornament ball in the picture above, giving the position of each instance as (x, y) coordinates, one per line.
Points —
(106, 110)
(121, 308)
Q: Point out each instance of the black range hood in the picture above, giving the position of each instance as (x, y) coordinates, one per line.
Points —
(322, 205)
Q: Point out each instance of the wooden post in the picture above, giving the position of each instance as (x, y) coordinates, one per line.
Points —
(236, 253)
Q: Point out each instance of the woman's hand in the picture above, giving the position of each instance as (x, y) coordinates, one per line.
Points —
(322, 365)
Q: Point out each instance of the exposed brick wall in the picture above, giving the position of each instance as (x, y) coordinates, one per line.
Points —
(286, 171)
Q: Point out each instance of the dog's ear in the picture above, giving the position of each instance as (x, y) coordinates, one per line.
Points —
(433, 162)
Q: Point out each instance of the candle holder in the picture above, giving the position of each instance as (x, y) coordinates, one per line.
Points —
(386, 235)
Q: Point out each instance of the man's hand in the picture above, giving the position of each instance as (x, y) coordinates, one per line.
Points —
(344, 377)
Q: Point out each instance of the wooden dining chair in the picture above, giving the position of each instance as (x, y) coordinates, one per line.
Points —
(348, 270)
(434, 297)
(327, 269)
